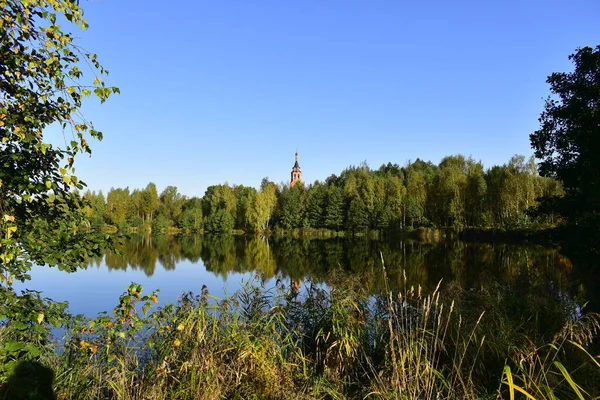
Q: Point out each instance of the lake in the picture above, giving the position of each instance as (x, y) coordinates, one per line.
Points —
(177, 264)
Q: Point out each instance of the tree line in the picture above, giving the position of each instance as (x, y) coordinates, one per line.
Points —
(457, 193)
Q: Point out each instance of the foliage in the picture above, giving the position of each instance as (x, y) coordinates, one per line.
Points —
(220, 221)
(191, 217)
(260, 213)
(117, 204)
(457, 193)
(42, 221)
(568, 140)
(547, 372)
(290, 209)
(335, 343)
(160, 223)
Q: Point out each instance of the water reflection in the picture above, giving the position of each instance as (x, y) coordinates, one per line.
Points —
(407, 262)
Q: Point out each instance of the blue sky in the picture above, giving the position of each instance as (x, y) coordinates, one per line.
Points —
(227, 91)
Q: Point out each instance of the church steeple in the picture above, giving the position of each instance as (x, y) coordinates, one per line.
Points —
(296, 175)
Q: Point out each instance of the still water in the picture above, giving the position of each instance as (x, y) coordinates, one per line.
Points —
(175, 265)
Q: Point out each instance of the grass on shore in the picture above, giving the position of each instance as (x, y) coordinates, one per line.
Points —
(321, 344)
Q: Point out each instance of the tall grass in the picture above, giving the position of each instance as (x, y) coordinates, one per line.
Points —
(557, 370)
(325, 343)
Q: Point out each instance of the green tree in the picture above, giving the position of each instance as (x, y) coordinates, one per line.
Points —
(219, 197)
(150, 201)
(117, 204)
(244, 196)
(95, 208)
(314, 206)
(334, 208)
(358, 216)
(220, 221)
(519, 189)
(42, 221)
(160, 223)
(291, 207)
(390, 194)
(359, 183)
(419, 176)
(263, 206)
(191, 217)
(135, 208)
(568, 141)
(447, 193)
(219, 208)
(171, 204)
(475, 193)
(497, 197)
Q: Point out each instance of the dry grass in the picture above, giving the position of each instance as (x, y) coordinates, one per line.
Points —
(324, 344)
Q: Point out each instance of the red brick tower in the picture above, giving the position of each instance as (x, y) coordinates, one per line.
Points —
(296, 173)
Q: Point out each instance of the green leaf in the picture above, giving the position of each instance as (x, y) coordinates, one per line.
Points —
(576, 388)
(12, 346)
(508, 374)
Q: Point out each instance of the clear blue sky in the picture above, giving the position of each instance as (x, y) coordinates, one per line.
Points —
(216, 91)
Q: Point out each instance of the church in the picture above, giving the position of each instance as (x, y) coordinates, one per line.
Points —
(296, 173)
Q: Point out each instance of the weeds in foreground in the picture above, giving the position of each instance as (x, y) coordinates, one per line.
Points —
(324, 343)
(543, 373)
(427, 354)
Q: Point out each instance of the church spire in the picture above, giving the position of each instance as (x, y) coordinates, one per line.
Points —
(296, 174)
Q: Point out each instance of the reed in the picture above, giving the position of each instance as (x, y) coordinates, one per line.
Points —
(324, 343)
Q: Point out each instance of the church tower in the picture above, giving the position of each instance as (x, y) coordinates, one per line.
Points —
(296, 173)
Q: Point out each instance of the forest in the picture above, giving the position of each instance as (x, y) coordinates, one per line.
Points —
(457, 193)
(488, 341)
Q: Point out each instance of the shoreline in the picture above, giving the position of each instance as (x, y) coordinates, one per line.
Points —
(546, 236)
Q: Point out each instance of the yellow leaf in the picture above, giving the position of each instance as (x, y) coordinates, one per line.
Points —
(40, 318)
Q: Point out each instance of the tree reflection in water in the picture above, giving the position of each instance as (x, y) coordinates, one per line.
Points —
(524, 288)
(408, 262)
